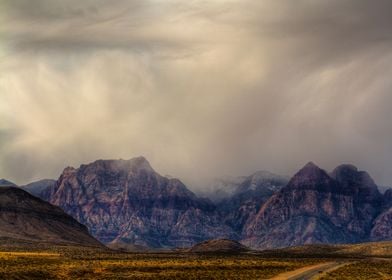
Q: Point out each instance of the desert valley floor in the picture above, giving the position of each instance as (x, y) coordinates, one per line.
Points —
(313, 262)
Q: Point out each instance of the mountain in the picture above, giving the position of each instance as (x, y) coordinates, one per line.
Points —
(382, 228)
(128, 205)
(127, 200)
(36, 188)
(388, 198)
(383, 189)
(25, 219)
(248, 197)
(6, 183)
(316, 207)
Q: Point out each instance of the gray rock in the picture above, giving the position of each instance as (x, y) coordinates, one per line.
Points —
(127, 199)
(316, 208)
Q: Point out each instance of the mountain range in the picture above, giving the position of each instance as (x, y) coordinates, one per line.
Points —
(128, 202)
(316, 207)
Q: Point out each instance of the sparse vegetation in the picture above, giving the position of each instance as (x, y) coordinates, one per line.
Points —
(65, 262)
(376, 269)
(95, 264)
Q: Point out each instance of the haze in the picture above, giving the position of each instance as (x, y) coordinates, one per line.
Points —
(202, 89)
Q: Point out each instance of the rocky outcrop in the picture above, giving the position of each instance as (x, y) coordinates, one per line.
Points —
(128, 200)
(25, 219)
(317, 208)
(248, 197)
(382, 227)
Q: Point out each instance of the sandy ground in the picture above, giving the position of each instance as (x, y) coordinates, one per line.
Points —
(310, 272)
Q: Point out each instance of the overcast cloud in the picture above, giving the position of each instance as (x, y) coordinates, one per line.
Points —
(200, 88)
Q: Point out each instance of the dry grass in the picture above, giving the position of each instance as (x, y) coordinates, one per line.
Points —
(366, 270)
(92, 264)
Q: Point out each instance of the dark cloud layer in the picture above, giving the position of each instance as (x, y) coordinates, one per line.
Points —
(201, 88)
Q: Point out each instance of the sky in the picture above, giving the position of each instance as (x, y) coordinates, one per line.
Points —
(202, 89)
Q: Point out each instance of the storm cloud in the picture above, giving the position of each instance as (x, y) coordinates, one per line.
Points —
(202, 89)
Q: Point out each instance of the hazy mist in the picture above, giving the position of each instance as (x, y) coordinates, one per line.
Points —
(202, 89)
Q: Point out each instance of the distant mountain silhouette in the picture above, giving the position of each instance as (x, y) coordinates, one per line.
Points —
(6, 183)
(36, 188)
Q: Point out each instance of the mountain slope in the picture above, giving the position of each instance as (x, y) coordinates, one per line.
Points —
(316, 208)
(127, 200)
(248, 197)
(25, 218)
(6, 183)
(36, 188)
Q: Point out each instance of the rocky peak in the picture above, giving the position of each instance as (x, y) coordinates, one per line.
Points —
(310, 171)
(68, 170)
(349, 175)
(314, 178)
(132, 165)
(356, 182)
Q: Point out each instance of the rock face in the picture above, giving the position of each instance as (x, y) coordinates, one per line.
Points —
(317, 208)
(248, 197)
(27, 219)
(127, 201)
(382, 229)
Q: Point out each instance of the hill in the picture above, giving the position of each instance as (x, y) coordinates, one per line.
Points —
(219, 246)
(26, 220)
